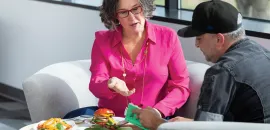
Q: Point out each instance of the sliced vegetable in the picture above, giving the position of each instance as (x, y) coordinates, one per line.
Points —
(59, 126)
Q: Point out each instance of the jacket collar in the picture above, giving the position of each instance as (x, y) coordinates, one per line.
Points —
(236, 44)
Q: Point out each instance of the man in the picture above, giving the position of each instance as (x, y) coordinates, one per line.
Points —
(237, 87)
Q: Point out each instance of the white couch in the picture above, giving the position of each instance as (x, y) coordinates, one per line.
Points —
(59, 88)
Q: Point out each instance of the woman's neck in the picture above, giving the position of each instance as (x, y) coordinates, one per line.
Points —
(133, 37)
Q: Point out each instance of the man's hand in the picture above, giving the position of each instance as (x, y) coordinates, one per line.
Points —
(149, 118)
(178, 118)
(120, 86)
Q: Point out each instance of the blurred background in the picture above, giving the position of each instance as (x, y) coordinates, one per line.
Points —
(254, 9)
(37, 33)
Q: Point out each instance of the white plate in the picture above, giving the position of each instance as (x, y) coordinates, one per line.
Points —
(76, 127)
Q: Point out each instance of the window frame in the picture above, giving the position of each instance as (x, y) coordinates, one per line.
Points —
(171, 4)
(169, 13)
(245, 17)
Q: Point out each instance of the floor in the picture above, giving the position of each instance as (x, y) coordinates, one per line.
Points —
(13, 115)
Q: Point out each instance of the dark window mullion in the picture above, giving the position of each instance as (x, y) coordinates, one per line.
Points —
(180, 4)
(171, 4)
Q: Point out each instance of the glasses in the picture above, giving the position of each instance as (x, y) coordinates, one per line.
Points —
(125, 13)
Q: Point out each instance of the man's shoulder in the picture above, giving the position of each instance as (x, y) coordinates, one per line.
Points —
(216, 69)
(237, 53)
(226, 66)
(241, 58)
(243, 53)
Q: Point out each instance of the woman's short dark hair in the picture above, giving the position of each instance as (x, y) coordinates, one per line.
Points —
(109, 7)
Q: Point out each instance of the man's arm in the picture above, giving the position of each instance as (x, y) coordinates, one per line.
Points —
(216, 94)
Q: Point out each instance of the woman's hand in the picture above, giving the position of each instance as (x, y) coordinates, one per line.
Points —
(120, 86)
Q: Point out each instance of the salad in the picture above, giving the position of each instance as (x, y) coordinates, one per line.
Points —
(54, 124)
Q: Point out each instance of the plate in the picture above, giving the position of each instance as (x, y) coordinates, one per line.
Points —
(34, 126)
(81, 126)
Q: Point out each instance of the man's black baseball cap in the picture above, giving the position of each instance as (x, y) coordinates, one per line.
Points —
(214, 16)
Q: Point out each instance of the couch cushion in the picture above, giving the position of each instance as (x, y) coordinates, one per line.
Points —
(196, 75)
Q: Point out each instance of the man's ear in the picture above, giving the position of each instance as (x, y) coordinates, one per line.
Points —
(220, 40)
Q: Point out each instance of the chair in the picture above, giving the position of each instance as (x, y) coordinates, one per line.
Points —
(62, 87)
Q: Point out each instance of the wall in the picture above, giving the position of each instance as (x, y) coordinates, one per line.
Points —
(36, 34)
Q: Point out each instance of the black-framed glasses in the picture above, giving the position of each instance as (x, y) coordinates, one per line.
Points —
(124, 13)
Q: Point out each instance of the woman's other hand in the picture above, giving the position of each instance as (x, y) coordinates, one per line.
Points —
(120, 86)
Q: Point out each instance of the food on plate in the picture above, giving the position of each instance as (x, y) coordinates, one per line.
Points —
(103, 117)
(54, 124)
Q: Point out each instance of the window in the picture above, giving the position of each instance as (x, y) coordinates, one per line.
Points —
(99, 2)
(258, 9)
(190, 4)
(160, 2)
(87, 2)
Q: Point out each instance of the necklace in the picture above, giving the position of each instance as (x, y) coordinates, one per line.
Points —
(125, 74)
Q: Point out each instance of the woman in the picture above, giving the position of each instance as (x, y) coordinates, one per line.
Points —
(136, 61)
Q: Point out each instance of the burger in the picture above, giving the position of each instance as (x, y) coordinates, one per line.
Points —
(104, 118)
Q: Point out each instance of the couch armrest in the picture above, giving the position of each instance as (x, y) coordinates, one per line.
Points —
(58, 89)
(196, 74)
